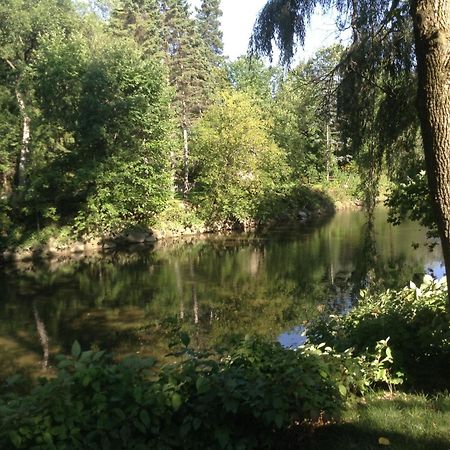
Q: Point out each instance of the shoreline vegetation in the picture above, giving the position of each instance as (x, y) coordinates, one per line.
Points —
(178, 221)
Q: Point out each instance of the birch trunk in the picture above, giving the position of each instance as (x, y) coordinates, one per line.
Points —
(432, 39)
(25, 143)
(185, 161)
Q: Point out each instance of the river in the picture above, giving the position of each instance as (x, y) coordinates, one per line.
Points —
(218, 288)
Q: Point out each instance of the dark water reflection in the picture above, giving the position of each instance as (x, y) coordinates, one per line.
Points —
(217, 288)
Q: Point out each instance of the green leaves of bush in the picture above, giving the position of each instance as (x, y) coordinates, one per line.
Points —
(415, 319)
(247, 398)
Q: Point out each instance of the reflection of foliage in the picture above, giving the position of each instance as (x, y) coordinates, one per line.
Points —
(219, 287)
(415, 319)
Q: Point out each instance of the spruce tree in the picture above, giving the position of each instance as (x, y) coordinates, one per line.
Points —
(142, 20)
(188, 71)
(208, 19)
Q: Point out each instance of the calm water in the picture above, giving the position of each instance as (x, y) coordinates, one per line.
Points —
(217, 288)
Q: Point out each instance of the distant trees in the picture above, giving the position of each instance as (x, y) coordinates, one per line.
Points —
(307, 125)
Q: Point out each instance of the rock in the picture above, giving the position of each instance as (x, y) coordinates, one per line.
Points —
(150, 238)
(136, 237)
(26, 255)
(108, 245)
(303, 215)
(77, 248)
(49, 251)
(158, 234)
(92, 245)
(8, 255)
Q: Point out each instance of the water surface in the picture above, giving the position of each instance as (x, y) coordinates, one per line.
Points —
(218, 288)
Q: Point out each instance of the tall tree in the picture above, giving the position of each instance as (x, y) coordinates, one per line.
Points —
(284, 21)
(188, 71)
(208, 19)
(142, 20)
(24, 22)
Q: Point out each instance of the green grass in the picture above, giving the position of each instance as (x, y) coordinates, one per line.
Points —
(409, 422)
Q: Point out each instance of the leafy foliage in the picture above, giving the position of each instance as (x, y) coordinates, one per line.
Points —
(411, 200)
(236, 161)
(247, 398)
(415, 320)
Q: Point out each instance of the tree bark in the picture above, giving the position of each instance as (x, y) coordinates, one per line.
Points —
(185, 161)
(432, 40)
(25, 144)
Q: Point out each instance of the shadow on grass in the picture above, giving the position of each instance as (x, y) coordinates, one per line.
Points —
(355, 436)
(408, 422)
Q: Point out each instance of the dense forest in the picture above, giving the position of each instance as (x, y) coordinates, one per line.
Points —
(127, 114)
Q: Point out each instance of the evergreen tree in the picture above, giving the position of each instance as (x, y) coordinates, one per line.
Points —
(142, 20)
(188, 71)
(208, 19)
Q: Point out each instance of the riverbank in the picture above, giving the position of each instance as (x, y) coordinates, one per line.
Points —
(178, 220)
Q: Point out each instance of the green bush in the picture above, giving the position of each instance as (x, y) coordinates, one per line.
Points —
(246, 399)
(416, 320)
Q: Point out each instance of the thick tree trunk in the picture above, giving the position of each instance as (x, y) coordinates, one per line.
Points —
(432, 38)
(25, 144)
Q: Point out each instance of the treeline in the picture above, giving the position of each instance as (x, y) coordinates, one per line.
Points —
(110, 113)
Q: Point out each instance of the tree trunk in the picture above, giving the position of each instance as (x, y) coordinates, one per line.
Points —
(328, 152)
(432, 39)
(185, 161)
(24, 148)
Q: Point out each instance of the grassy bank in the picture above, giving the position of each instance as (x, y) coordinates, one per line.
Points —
(400, 422)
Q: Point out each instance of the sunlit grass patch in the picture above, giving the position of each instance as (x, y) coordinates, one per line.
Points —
(400, 421)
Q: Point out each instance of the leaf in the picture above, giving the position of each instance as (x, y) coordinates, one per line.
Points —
(342, 390)
(76, 349)
(223, 437)
(145, 418)
(384, 441)
(15, 438)
(185, 339)
(176, 401)
(202, 385)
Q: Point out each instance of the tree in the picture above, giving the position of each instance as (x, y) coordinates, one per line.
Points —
(305, 116)
(250, 75)
(143, 21)
(208, 19)
(188, 71)
(238, 165)
(23, 23)
(284, 21)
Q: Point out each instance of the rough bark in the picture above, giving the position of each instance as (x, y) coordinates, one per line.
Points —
(432, 39)
(25, 144)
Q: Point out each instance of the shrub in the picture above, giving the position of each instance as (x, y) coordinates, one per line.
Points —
(248, 398)
(415, 319)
